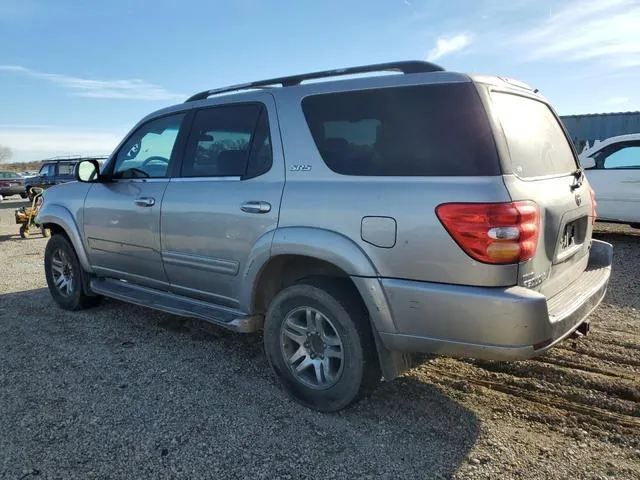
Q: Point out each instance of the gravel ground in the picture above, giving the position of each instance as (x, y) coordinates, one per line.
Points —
(124, 392)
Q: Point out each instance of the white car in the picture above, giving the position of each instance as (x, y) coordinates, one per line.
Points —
(613, 169)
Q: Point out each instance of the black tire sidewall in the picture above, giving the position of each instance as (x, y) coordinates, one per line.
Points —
(73, 301)
(348, 386)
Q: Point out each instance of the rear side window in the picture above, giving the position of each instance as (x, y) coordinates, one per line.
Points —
(65, 168)
(427, 130)
(537, 144)
(228, 141)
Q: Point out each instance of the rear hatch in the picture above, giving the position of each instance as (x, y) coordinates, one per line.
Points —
(540, 165)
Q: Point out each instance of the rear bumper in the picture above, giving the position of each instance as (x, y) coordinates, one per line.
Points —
(492, 323)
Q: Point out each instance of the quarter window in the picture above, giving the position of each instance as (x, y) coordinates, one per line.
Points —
(228, 141)
(148, 151)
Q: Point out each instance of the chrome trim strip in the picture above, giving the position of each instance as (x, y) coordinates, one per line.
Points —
(215, 265)
(205, 179)
(141, 180)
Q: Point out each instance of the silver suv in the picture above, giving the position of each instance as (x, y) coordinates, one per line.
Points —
(355, 221)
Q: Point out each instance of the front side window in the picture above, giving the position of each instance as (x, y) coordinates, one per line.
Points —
(147, 152)
(47, 170)
(224, 138)
(623, 158)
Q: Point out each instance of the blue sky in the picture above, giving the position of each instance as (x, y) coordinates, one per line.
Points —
(76, 75)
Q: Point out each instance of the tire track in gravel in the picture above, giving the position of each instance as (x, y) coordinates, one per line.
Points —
(542, 401)
(575, 365)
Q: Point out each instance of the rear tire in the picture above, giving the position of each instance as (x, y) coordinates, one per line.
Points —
(319, 343)
(65, 275)
(23, 195)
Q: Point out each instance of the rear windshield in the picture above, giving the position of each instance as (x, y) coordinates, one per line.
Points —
(536, 141)
(427, 130)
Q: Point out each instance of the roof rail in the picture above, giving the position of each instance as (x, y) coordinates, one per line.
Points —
(411, 66)
(62, 158)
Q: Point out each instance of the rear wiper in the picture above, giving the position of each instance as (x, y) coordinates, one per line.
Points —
(578, 174)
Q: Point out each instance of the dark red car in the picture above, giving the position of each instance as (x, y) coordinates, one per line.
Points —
(11, 184)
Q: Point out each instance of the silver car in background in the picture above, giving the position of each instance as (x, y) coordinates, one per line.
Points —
(355, 221)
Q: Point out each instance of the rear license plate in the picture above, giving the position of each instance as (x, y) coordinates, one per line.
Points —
(569, 235)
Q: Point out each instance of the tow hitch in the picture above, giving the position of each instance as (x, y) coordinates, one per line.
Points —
(581, 331)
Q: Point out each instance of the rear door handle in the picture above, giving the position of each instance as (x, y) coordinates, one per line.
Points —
(145, 201)
(256, 207)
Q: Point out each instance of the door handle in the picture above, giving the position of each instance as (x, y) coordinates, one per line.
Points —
(256, 207)
(630, 180)
(145, 201)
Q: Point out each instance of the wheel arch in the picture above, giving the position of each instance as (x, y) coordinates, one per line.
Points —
(288, 255)
(60, 221)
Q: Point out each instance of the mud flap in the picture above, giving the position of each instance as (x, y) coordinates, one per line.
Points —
(392, 364)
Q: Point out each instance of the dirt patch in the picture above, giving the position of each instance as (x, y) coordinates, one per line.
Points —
(124, 392)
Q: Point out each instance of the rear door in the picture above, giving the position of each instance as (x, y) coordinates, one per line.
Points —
(616, 181)
(225, 198)
(540, 165)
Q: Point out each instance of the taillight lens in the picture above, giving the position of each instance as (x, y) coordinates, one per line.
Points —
(496, 233)
(4, 184)
(594, 205)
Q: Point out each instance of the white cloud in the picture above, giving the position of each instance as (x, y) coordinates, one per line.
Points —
(588, 30)
(39, 141)
(133, 89)
(616, 101)
(448, 44)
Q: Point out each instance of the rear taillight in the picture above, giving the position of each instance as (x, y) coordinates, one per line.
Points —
(497, 233)
(4, 184)
(594, 205)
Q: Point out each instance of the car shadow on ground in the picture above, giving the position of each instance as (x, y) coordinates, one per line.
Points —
(35, 233)
(161, 394)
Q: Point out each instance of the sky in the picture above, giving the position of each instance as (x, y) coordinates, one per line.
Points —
(75, 76)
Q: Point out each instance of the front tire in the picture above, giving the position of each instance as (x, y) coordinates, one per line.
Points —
(24, 231)
(65, 276)
(319, 343)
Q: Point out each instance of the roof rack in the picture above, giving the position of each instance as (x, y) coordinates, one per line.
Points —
(412, 66)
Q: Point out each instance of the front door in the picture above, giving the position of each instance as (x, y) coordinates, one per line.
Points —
(122, 214)
(226, 197)
(616, 181)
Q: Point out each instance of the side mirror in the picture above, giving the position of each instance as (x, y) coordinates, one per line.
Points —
(87, 171)
(587, 163)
